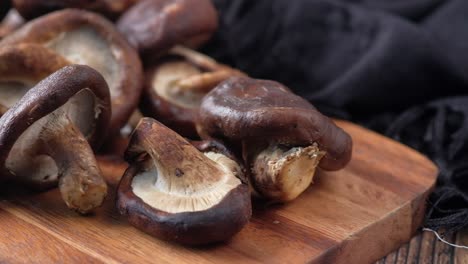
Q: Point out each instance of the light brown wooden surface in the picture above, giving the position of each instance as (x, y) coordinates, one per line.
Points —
(356, 215)
(460, 255)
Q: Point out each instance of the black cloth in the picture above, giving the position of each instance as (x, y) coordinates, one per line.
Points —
(398, 67)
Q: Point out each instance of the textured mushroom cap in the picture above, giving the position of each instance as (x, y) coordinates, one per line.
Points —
(30, 9)
(188, 197)
(86, 38)
(22, 66)
(67, 85)
(245, 109)
(154, 26)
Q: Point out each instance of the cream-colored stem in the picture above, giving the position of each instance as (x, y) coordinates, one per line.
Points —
(180, 164)
(196, 58)
(282, 174)
(81, 184)
(203, 83)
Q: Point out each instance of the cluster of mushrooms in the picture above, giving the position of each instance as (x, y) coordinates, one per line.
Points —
(73, 73)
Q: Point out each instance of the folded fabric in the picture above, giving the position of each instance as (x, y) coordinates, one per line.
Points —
(385, 64)
(413, 9)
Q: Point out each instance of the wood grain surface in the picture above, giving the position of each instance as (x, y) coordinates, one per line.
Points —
(356, 215)
(425, 248)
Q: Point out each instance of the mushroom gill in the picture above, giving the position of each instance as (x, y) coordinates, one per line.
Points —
(176, 177)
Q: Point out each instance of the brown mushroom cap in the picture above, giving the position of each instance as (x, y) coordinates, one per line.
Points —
(45, 135)
(283, 137)
(30, 9)
(154, 26)
(86, 38)
(174, 192)
(245, 109)
(23, 66)
(176, 84)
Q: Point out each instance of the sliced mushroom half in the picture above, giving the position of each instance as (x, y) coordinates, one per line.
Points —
(46, 136)
(283, 137)
(86, 38)
(175, 86)
(175, 192)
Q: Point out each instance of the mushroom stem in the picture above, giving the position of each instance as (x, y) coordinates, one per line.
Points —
(80, 181)
(196, 58)
(179, 163)
(282, 174)
(205, 82)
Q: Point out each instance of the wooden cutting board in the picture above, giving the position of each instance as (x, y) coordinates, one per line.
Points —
(356, 215)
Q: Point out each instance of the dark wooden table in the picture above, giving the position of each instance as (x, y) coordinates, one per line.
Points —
(426, 248)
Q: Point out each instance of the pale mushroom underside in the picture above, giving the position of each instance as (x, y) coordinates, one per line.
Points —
(164, 83)
(178, 194)
(25, 158)
(85, 45)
